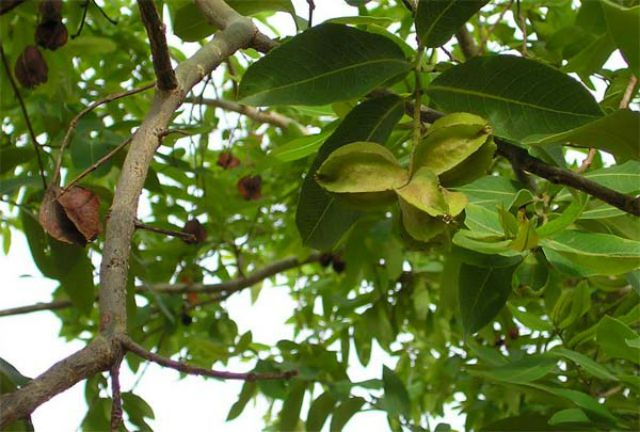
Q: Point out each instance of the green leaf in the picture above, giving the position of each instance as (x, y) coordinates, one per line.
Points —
(419, 224)
(586, 363)
(578, 398)
(14, 156)
(299, 148)
(319, 411)
(320, 219)
(325, 64)
(591, 254)
(624, 178)
(624, 26)
(9, 372)
(247, 392)
(449, 142)
(570, 415)
(482, 293)
(361, 167)
(611, 336)
(530, 368)
(396, 397)
(423, 192)
(344, 412)
(519, 97)
(290, 414)
(78, 284)
(472, 168)
(530, 320)
(437, 20)
(93, 44)
(566, 218)
(616, 133)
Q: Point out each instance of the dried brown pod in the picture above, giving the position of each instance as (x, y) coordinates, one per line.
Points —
(71, 217)
(338, 264)
(196, 229)
(51, 34)
(227, 160)
(250, 187)
(50, 10)
(325, 259)
(31, 68)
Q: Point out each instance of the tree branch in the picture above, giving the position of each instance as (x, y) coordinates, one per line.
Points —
(8, 5)
(467, 43)
(220, 14)
(159, 49)
(255, 114)
(130, 345)
(96, 357)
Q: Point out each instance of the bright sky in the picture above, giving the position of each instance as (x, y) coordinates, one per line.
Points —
(31, 343)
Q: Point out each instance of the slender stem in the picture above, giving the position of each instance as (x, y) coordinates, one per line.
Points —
(25, 114)
(54, 305)
(159, 48)
(133, 347)
(116, 396)
(95, 165)
(74, 122)
(8, 5)
(184, 236)
(417, 123)
(312, 7)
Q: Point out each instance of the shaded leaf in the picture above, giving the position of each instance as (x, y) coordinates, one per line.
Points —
(611, 336)
(344, 412)
(437, 20)
(319, 411)
(396, 397)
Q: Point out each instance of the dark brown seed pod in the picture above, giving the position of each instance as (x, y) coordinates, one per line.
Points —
(250, 187)
(195, 228)
(338, 264)
(227, 160)
(50, 10)
(325, 259)
(31, 68)
(51, 35)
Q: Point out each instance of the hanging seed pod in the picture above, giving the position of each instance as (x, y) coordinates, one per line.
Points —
(195, 228)
(227, 160)
(51, 35)
(50, 10)
(250, 187)
(31, 69)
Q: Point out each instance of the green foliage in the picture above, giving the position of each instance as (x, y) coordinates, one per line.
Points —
(511, 300)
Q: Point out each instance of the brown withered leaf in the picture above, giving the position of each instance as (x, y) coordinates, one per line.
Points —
(250, 187)
(51, 35)
(55, 221)
(195, 228)
(31, 68)
(82, 207)
(227, 160)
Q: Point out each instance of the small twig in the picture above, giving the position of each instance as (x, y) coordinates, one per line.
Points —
(485, 35)
(104, 14)
(116, 404)
(466, 42)
(133, 347)
(25, 114)
(410, 6)
(417, 123)
(184, 236)
(312, 7)
(8, 5)
(95, 165)
(54, 305)
(74, 121)
(624, 103)
(523, 27)
(159, 48)
(269, 117)
(85, 9)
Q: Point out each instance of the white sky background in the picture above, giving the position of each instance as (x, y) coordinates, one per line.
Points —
(31, 343)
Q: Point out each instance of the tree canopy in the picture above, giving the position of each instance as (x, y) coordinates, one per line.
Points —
(454, 182)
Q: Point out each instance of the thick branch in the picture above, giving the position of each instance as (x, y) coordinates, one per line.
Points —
(255, 114)
(130, 345)
(121, 223)
(219, 14)
(95, 357)
(159, 49)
